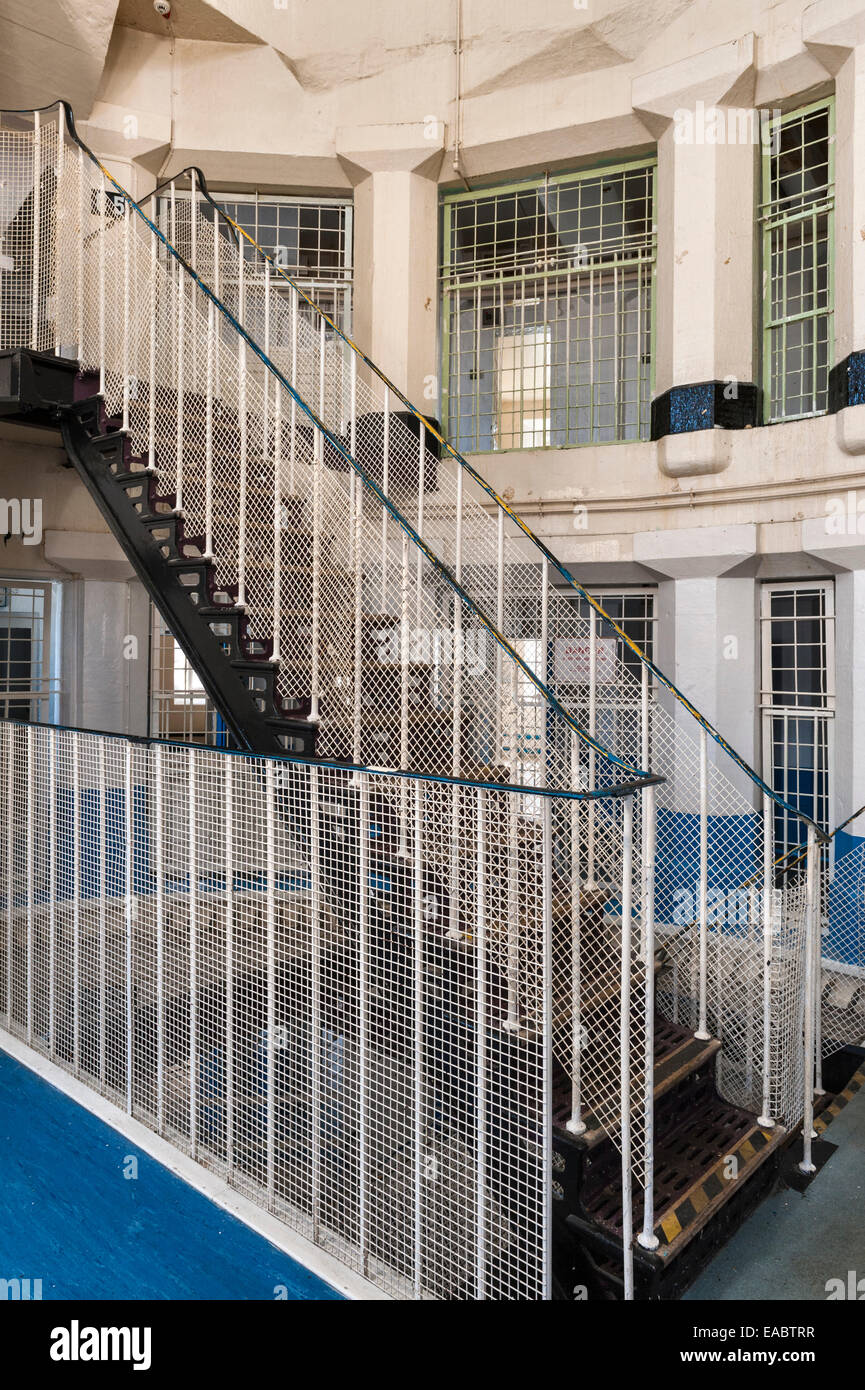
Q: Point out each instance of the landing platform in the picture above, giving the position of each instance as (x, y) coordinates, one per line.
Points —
(795, 1243)
(70, 1217)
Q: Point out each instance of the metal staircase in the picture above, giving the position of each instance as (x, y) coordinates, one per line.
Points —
(463, 787)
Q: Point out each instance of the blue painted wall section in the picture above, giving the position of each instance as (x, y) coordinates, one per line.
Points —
(69, 1216)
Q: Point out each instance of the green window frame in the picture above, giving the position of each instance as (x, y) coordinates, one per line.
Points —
(548, 312)
(797, 214)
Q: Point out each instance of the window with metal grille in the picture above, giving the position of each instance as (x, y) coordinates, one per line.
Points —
(547, 310)
(29, 653)
(309, 238)
(798, 232)
(798, 700)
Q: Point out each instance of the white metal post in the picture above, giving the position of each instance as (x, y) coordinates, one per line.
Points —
(765, 1119)
(159, 868)
(228, 801)
(127, 290)
(37, 220)
(576, 1124)
(702, 889)
(547, 1053)
(593, 757)
(317, 481)
(76, 906)
(270, 909)
(151, 393)
(315, 901)
(208, 432)
(417, 996)
(481, 1045)
(192, 849)
(103, 908)
(807, 1164)
(9, 735)
(52, 881)
(625, 1047)
(363, 1023)
(103, 237)
(128, 913)
(647, 1237)
(29, 872)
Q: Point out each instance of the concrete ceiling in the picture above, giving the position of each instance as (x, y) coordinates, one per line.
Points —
(51, 49)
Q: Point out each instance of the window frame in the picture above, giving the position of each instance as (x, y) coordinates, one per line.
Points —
(769, 221)
(451, 287)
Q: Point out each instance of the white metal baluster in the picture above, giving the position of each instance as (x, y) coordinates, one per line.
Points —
(208, 433)
(456, 764)
(500, 624)
(576, 1124)
(151, 395)
(103, 240)
(512, 1022)
(405, 656)
(228, 789)
(818, 972)
(159, 869)
(82, 239)
(481, 1057)
(76, 906)
(807, 1164)
(357, 565)
(418, 1041)
(593, 721)
(10, 861)
(362, 1008)
(277, 504)
(29, 872)
(322, 350)
(315, 994)
(127, 290)
(103, 906)
(542, 665)
(244, 441)
(61, 153)
(625, 1046)
(385, 483)
(128, 856)
(192, 851)
(765, 1119)
(421, 487)
(180, 289)
(647, 1237)
(703, 888)
(266, 379)
(37, 230)
(292, 454)
(52, 881)
(317, 469)
(270, 1070)
(547, 1054)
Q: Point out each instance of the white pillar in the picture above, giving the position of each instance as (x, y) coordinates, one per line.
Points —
(394, 171)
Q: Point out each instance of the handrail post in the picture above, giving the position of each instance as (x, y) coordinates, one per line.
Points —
(270, 977)
(765, 1119)
(192, 853)
(702, 890)
(807, 1164)
(481, 1040)
(362, 1018)
(647, 1238)
(128, 913)
(625, 1046)
(576, 1124)
(36, 268)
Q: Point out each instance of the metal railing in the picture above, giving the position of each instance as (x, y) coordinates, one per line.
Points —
(254, 958)
(715, 830)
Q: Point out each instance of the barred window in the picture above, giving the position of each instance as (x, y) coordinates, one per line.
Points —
(798, 232)
(309, 238)
(547, 311)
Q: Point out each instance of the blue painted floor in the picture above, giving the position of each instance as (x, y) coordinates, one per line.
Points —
(69, 1217)
(796, 1242)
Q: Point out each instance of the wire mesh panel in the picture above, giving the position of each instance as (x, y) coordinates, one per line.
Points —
(266, 963)
(843, 953)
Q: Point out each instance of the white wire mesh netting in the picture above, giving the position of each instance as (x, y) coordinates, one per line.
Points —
(403, 672)
(235, 950)
(843, 953)
(562, 638)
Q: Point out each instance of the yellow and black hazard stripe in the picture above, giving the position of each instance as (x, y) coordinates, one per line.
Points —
(691, 1207)
(825, 1118)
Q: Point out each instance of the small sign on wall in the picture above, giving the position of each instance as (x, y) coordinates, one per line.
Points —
(572, 660)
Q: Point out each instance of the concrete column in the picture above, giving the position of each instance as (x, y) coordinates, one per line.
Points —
(841, 545)
(393, 169)
(708, 144)
(707, 641)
